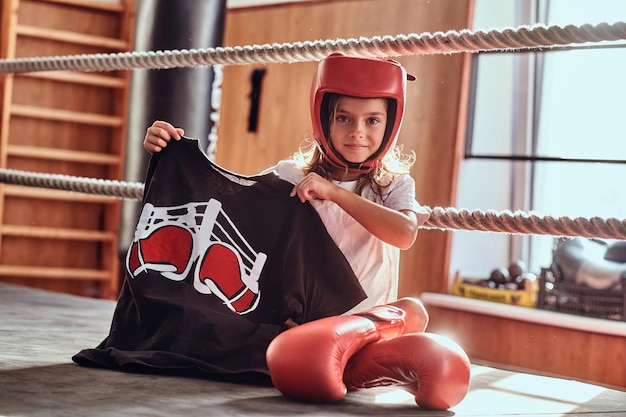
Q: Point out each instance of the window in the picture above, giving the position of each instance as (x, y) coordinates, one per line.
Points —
(560, 104)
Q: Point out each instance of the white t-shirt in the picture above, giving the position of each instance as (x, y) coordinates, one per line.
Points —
(374, 262)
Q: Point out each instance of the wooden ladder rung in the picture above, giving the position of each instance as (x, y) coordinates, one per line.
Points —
(72, 37)
(11, 190)
(57, 233)
(91, 4)
(78, 78)
(65, 155)
(23, 271)
(66, 115)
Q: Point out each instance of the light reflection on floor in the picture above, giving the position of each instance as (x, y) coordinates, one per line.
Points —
(494, 402)
(396, 396)
(521, 394)
(516, 395)
(559, 389)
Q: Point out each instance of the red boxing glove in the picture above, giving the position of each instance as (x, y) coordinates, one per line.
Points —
(307, 362)
(433, 368)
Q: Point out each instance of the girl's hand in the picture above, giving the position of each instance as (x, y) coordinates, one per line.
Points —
(313, 187)
(398, 228)
(159, 135)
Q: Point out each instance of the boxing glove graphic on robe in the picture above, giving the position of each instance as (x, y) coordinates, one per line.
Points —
(201, 233)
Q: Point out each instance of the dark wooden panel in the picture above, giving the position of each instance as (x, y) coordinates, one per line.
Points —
(69, 18)
(61, 135)
(55, 213)
(544, 349)
(53, 94)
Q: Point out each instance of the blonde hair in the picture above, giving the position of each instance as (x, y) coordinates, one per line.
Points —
(310, 158)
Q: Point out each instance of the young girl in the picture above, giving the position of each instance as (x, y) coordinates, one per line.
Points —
(354, 174)
(289, 320)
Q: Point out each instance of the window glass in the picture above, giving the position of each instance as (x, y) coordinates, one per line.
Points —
(566, 104)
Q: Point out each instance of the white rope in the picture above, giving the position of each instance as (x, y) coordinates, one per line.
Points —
(110, 188)
(524, 37)
(441, 218)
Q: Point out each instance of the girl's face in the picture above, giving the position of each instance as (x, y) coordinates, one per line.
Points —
(358, 127)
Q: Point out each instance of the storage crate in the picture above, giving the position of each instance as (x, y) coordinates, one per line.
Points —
(470, 288)
(571, 298)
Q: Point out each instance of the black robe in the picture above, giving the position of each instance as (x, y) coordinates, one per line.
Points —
(218, 263)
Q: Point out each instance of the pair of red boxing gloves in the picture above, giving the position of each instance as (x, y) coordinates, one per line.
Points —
(320, 361)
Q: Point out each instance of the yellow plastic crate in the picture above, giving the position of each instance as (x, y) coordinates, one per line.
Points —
(464, 287)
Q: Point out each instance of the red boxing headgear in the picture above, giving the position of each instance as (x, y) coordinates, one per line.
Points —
(362, 78)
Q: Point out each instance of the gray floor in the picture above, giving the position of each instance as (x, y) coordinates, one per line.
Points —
(40, 331)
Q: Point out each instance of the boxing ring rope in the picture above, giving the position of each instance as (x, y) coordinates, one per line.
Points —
(518, 222)
(522, 38)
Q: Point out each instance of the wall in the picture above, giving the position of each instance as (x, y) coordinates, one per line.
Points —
(434, 104)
